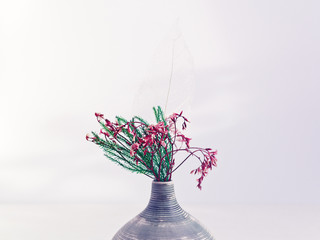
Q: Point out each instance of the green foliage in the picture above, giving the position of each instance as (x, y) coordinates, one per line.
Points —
(118, 149)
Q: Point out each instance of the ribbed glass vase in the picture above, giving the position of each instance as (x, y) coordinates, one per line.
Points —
(163, 219)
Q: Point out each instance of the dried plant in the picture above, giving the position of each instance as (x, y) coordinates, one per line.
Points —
(150, 149)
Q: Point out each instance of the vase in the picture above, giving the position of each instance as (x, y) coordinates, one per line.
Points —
(163, 218)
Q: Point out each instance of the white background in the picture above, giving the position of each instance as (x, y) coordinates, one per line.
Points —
(251, 68)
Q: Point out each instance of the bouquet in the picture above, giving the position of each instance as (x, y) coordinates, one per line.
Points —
(151, 149)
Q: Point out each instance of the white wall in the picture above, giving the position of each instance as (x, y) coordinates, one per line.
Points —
(252, 68)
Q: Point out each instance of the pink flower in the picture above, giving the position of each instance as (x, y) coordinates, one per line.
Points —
(117, 131)
(183, 138)
(148, 140)
(104, 133)
(128, 129)
(161, 128)
(99, 116)
(173, 117)
(199, 182)
(87, 136)
(108, 123)
(90, 138)
(134, 148)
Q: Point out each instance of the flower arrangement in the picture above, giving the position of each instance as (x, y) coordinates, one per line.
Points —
(150, 149)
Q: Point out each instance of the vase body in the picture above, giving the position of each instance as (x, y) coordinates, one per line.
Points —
(163, 219)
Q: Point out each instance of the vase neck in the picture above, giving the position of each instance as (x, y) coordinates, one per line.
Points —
(162, 192)
(163, 204)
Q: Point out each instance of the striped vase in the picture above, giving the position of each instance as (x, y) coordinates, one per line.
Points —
(163, 219)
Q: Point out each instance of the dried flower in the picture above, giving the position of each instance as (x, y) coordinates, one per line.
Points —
(151, 149)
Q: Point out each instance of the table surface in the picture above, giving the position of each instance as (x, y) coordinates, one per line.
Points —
(101, 221)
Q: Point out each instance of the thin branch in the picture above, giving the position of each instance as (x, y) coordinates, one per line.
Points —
(171, 73)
